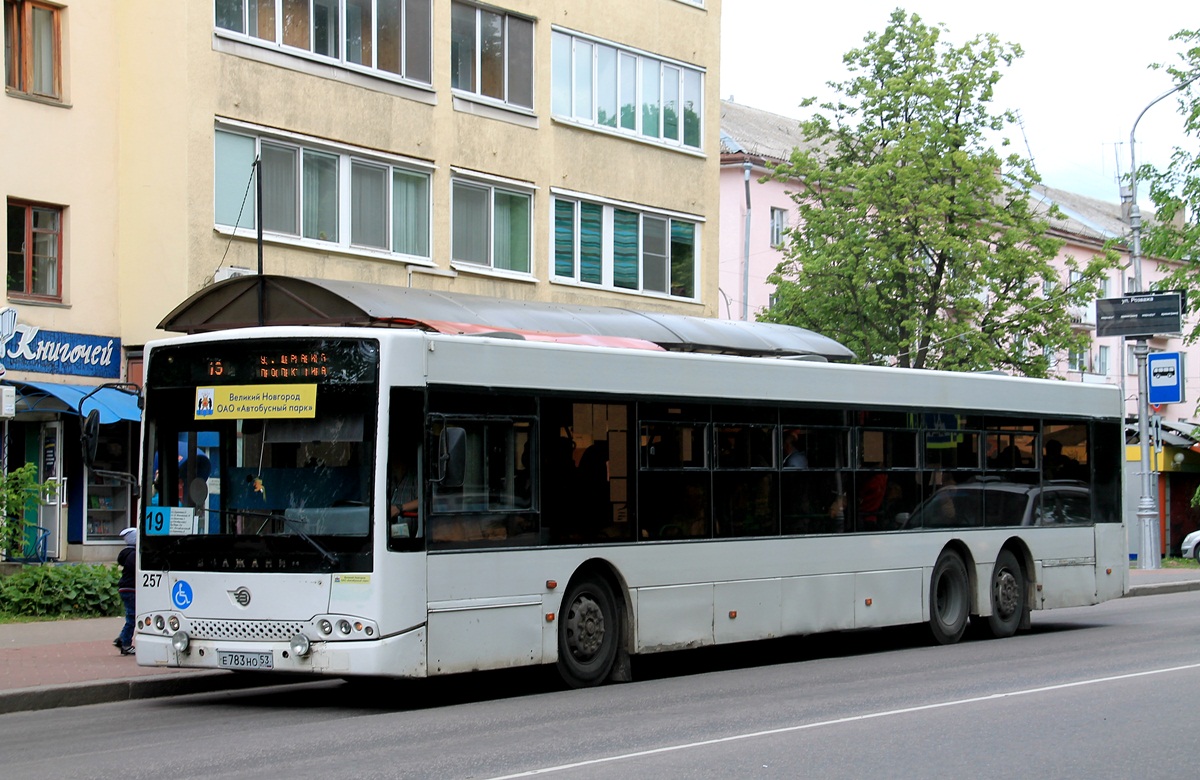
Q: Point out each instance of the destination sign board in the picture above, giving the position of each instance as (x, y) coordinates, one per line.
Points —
(1141, 315)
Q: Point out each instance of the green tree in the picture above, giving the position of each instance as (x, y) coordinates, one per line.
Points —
(20, 492)
(1175, 190)
(918, 243)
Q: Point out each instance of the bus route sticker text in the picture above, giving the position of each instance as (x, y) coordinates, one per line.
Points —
(234, 402)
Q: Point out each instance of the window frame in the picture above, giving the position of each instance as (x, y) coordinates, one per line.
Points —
(608, 245)
(406, 57)
(20, 75)
(490, 186)
(27, 292)
(476, 90)
(778, 225)
(348, 159)
(689, 81)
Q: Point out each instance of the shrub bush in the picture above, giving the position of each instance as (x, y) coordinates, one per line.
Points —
(71, 590)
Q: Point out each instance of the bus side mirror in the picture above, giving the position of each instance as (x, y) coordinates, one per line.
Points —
(452, 457)
(90, 438)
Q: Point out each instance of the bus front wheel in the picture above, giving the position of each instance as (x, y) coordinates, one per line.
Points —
(949, 599)
(1008, 596)
(587, 633)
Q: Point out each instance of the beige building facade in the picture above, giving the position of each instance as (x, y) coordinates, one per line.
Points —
(560, 151)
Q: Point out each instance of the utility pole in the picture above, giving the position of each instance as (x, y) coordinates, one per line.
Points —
(1150, 556)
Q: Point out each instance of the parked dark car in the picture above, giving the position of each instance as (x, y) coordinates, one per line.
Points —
(997, 503)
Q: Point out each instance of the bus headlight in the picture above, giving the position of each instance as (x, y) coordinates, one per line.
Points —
(325, 626)
(300, 645)
(173, 622)
(344, 626)
(180, 641)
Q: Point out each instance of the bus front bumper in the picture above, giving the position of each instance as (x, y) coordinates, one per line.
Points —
(399, 655)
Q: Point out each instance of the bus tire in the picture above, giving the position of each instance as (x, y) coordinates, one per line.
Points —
(949, 599)
(1008, 594)
(588, 633)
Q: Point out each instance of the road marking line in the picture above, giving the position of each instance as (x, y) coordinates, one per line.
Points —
(839, 721)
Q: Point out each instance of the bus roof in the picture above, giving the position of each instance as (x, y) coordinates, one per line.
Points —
(246, 301)
(517, 365)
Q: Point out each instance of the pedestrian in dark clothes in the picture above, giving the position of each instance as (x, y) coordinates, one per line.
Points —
(127, 560)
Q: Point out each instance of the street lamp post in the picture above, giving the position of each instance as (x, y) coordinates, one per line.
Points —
(1147, 510)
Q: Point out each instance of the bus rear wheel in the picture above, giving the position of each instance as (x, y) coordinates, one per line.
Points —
(1008, 596)
(587, 633)
(949, 599)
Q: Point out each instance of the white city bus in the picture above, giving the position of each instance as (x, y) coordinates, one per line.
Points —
(577, 505)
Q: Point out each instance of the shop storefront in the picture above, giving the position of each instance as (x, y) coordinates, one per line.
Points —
(51, 373)
(1175, 480)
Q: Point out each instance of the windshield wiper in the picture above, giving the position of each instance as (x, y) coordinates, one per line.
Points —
(327, 557)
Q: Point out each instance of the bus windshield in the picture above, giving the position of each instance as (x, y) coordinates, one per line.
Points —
(264, 471)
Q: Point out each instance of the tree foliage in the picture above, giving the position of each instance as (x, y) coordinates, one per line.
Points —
(20, 492)
(918, 243)
(1175, 190)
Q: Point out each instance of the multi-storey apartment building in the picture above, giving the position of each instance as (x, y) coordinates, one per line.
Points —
(555, 151)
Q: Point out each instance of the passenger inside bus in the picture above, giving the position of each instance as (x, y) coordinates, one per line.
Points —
(794, 456)
(403, 495)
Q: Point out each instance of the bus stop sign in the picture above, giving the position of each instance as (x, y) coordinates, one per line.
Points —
(1140, 316)
(1166, 378)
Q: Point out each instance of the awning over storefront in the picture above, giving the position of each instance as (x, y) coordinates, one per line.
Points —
(113, 405)
(279, 300)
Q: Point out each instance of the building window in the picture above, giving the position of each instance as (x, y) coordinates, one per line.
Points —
(1077, 360)
(606, 86)
(491, 54)
(778, 225)
(491, 226)
(387, 36)
(624, 248)
(35, 249)
(323, 194)
(1132, 359)
(1102, 361)
(33, 48)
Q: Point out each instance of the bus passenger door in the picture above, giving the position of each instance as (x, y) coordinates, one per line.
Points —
(401, 570)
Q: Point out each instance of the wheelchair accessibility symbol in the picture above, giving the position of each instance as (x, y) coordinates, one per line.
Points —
(181, 595)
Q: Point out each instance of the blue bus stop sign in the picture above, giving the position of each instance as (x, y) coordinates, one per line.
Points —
(1166, 378)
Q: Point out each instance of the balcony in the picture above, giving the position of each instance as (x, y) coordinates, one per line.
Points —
(1083, 317)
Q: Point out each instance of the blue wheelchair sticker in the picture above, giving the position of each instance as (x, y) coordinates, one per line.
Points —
(181, 595)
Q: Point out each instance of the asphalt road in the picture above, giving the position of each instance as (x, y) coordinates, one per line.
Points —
(1106, 691)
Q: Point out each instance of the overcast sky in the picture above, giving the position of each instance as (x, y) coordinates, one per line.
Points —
(1079, 87)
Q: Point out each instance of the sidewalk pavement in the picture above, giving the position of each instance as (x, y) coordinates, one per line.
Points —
(66, 663)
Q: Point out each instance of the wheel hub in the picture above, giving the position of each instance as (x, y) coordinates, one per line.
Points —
(585, 628)
(1004, 593)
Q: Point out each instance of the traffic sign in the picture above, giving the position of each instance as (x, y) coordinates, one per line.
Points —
(1165, 371)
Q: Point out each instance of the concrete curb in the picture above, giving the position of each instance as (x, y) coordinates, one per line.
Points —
(1159, 588)
(149, 687)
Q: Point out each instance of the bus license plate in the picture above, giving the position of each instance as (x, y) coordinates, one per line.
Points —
(228, 660)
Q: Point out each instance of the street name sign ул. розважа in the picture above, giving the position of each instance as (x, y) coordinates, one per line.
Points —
(1142, 315)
